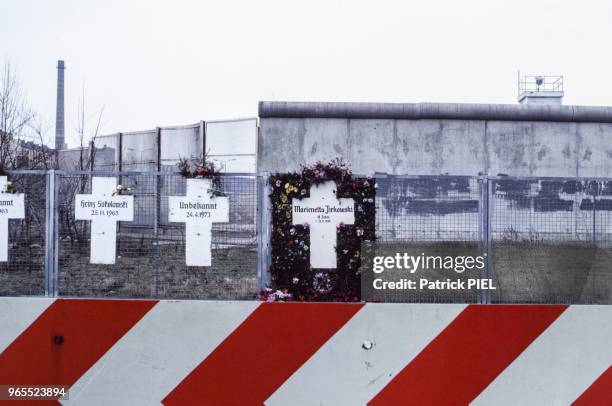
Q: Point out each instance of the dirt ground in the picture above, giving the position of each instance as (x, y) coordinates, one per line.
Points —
(142, 270)
(552, 273)
(24, 273)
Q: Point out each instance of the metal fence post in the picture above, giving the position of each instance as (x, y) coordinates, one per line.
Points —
(157, 215)
(264, 225)
(51, 279)
(489, 235)
(596, 193)
(484, 233)
(56, 250)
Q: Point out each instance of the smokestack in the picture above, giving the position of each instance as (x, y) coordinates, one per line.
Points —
(59, 109)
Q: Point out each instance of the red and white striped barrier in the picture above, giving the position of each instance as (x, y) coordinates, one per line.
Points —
(144, 352)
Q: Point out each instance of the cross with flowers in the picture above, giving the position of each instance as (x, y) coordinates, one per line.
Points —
(323, 212)
(198, 209)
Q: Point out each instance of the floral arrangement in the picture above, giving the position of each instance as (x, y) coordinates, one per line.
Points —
(202, 168)
(122, 190)
(9, 188)
(271, 295)
(290, 267)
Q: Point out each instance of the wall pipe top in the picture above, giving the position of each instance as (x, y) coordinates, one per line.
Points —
(415, 111)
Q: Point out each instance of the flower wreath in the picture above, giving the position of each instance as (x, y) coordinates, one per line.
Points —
(290, 265)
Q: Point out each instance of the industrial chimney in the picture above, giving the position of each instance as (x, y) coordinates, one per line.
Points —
(59, 109)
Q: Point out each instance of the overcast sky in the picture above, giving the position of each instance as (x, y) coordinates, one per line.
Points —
(159, 63)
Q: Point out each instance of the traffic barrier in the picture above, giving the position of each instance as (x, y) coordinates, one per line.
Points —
(143, 352)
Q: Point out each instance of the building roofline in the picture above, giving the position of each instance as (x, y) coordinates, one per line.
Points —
(415, 111)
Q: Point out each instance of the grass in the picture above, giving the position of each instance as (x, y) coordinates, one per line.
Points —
(522, 271)
(142, 270)
(24, 273)
(552, 273)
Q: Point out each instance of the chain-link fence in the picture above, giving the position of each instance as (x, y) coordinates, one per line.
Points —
(428, 216)
(49, 250)
(545, 240)
(23, 271)
(551, 240)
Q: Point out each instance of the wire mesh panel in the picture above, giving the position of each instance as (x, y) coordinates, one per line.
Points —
(233, 274)
(545, 248)
(548, 240)
(428, 216)
(24, 271)
(150, 250)
(601, 280)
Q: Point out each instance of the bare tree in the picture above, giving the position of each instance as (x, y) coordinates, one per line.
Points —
(22, 146)
(38, 155)
(33, 154)
(84, 161)
(87, 139)
(15, 118)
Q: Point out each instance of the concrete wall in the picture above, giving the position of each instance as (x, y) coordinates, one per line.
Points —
(523, 145)
(69, 159)
(139, 151)
(457, 139)
(231, 143)
(180, 142)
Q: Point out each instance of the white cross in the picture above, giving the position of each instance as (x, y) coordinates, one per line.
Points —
(104, 210)
(11, 207)
(323, 211)
(198, 210)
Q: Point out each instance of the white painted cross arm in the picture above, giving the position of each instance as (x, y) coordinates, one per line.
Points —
(12, 206)
(104, 210)
(198, 210)
(323, 211)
